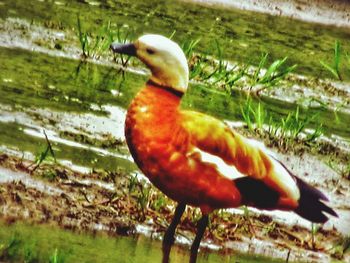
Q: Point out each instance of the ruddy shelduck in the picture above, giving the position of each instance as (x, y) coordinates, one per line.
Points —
(196, 159)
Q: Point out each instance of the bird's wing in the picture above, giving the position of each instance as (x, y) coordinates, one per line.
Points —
(211, 137)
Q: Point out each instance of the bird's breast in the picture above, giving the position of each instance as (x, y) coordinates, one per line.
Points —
(150, 129)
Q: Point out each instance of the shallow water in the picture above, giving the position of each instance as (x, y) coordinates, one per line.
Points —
(243, 35)
(81, 106)
(75, 105)
(32, 243)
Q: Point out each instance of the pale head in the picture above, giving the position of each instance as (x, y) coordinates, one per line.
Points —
(163, 57)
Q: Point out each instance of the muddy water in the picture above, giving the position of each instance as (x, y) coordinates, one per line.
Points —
(85, 103)
(24, 242)
(243, 35)
(81, 106)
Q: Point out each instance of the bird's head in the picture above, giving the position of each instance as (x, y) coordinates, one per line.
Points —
(162, 56)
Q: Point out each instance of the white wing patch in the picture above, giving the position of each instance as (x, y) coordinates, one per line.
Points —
(226, 170)
(285, 181)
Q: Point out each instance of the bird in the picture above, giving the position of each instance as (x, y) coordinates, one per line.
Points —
(197, 159)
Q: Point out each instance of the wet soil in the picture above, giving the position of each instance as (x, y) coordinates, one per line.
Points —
(103, 201)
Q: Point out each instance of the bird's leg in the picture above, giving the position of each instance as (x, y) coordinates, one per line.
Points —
(201, 226)
(169, 239)
(169, 234)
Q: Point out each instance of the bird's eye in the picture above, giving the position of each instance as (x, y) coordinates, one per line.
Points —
(150, 51)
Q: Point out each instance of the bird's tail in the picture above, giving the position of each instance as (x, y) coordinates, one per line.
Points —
(311, 206)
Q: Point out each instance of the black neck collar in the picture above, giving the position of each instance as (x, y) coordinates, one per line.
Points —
(171, 90)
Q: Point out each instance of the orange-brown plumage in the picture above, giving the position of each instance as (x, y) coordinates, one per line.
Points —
(162, 136)
(160, 146)
(197, 159)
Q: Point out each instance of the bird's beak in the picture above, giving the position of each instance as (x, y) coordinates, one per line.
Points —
(128, 49)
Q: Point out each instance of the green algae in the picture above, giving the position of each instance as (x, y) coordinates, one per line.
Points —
(23, 242)
(30, 81)
(243, 35)
(41, 81)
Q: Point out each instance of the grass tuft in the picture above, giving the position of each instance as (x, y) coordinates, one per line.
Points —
(47, 155)
(188, 47)
(255, 117)
(94, 45)
(285, 130)
(272, 75)
(219, 72)
(83, 39)
(334, 68)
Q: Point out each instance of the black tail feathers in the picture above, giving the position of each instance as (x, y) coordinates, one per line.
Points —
(311, 206)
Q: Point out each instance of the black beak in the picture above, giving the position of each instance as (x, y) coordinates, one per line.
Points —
(128, 49)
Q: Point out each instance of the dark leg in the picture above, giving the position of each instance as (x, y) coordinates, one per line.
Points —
(169, 239)
(201, 226)
(169, 234)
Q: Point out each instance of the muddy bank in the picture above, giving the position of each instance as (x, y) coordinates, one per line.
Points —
(327, 12)
(118, 204)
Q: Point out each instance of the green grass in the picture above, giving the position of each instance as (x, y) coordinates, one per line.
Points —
(141, 192)
(284, 130)
(143, 197)
(57, 257)
(334, 68)
(274, 73)
(254, 116)
(314, 229)
(94, 45)
(291, 127)
(216, 71)
(83, 39)
(188, 47)
(47, 155)
(158, 202)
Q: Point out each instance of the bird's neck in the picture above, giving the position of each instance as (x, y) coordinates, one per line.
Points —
(152, 84)
(157, 100)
